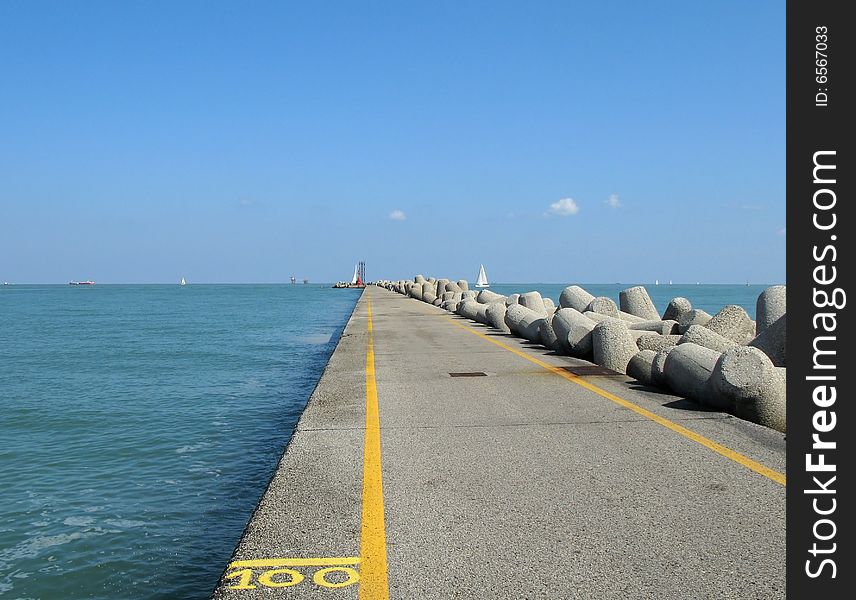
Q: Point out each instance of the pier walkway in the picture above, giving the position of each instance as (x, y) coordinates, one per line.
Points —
(412, 476)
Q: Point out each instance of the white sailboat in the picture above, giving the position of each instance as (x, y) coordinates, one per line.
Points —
(354, 278)
(183, 282)
(656, 282)
(481, 282)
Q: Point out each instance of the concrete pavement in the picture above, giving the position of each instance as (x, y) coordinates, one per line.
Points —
(517, 484)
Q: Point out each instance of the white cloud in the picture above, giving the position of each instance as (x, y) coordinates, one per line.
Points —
(564, 207)
(397, 215)
(613, 201)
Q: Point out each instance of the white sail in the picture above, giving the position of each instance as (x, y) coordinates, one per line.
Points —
(354, 279)
(183, 282)
(482, 279)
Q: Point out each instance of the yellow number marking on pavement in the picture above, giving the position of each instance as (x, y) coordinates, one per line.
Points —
(687, 433)
(283, 572)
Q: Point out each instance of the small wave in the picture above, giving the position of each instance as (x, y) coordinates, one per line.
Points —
(30, 548)
(127, 523)
(79, 521)
(186, 449)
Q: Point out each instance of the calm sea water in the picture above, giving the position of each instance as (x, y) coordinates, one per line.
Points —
(139, 426)
(710, 298)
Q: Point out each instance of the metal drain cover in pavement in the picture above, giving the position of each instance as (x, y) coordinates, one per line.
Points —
(588, 371)
(473, 374)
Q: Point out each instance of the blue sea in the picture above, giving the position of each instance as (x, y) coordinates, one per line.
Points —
(140, 424)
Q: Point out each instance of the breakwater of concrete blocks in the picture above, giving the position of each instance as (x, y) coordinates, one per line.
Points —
(725, 361)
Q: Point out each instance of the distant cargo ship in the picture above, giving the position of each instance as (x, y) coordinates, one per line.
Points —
(81, 283)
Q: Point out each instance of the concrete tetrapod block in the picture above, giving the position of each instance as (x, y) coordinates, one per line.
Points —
(495, 314)
(437, 302)
(661, 327)
(772, 341)
(698, 334)
(488, 297)
(473, 310)
(637, 334)
(639, 367)
(695, 317)
(622, 316)
(636, 301)
(440, 287)
(770, 307)
(734, 323)
(462, 283)
(450, 305)
(628, 318)
(573, 330)
(481, 313)
(419, 279)
(613, 347)
(416, 291)
(598, 317)
(512, 299)
(688, 368)
(746, 378)
(534, 302)
(658, 376)
(453, 287)
(657, 342)
(677, 308)
(429, 297)
(469, 294)
(603, 306)
(447, 296)
(575, 297)
(524, 322)
(549, 306)
(429, 288)
(468, 308)
(548, 336)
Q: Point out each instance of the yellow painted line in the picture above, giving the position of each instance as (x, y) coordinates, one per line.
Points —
(334, 561)
(687, 433)
(374, 584)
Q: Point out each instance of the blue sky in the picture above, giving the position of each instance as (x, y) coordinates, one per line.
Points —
(249, 141)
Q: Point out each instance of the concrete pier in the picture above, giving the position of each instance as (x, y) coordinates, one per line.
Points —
(439, 458)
